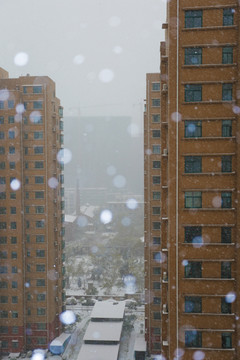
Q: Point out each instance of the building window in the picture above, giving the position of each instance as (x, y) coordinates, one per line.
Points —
(3, 210)
(11, 150)
(40, 282)
(193, 93)
(39, 194)
(13, 225)
(36, 119)
(156, 285)
(14, 284)
(14, 299)
(226, 200)
(2, 150)
(41, 326)
(38, 164)
(156, 102)
(37, 89)
(226, 163)
(156, 149)
(156, 240)
(156, 210)
(156, 271)
(227, 55)
(156, 180)
(226, 341)
(226, 128)
(40, 253)
(3, 330)
(228, 15)
(39, 238)
(156, 164)
(193, 234)
(13, 239)
(156, 300)
(156, 86)
(39, 179)
(38, 150)
(3, 240)
(11, 119)
(13, 210)
(156, 195)
(193, 129)
(1, 104)
(156, 118)
(14, 255)
(2, 195)
(14, 269)
(156, 315)
(11, 104)
(225, 270)
(3, 225)
(40, 224)
(1, 120)
(226, 235)
(4, 299)
(193, 269)
(2, 135)
(40, 267)
(193, 56)
(193, 18)
(41, 297)
(37, 104)
(226, 307)
(193, 338)
(3, 269)
(156, 225)
(227, 92)
(193, 304)
(41, 311)
(12, 165)
(3, 254)
(11, 134)
(38, 135)
(193, 164)
(157, 256)
(4, 314)
(193, 199)
(15, 329)
(156, 133)
(39, 209)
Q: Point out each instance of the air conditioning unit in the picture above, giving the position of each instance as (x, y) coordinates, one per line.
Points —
(165, 152)
(55, 229)
(56, 299)
(164, 308)
(164, 276)
(55, 243)
(165, 87)
(53, 129)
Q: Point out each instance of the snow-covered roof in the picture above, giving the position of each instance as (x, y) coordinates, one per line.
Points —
(99, 352)
(60, 339)
(140, 344)
(70, 218)
(108, 309)
(88, 210)
(103, 331)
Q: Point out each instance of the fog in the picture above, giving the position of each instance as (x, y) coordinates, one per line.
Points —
(97, 51)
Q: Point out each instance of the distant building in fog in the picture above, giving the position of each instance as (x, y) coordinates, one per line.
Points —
(32, 213)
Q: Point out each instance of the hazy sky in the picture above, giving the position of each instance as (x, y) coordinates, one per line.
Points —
(97, 51)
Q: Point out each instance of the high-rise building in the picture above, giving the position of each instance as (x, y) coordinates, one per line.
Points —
(31, 212)
(199, 227)
(152, 215)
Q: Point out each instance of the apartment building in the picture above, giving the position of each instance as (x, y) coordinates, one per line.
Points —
(152, 213)
(31, 213)
(199, 245)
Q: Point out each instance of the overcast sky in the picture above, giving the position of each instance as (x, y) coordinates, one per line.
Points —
(97, 51)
